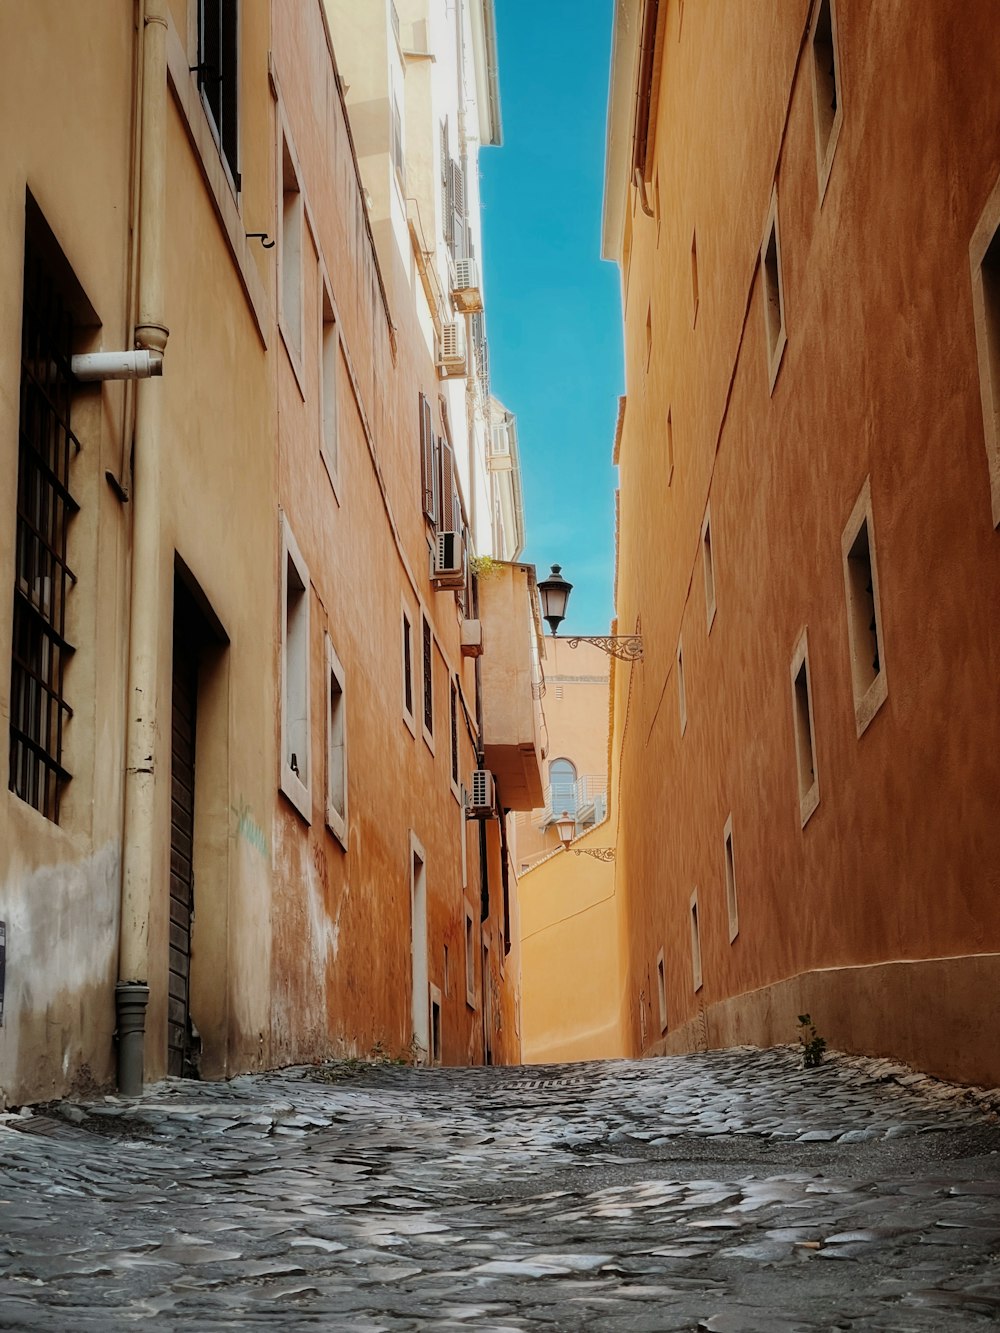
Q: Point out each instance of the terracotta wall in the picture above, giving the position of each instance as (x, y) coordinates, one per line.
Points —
(877, 385)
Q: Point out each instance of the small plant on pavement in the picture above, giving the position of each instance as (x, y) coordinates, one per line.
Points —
(813, 1045)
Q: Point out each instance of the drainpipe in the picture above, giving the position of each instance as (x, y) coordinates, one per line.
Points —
(132, 991)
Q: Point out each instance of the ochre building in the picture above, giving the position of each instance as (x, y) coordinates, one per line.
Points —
(247, 683)
(803, 199)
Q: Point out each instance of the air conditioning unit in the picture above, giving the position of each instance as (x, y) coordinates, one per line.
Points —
(453, 348)
(448, 561)
(466, 291)
(482, 797)
(472, 638)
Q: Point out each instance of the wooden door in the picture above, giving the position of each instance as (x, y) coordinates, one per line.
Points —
(182, 765)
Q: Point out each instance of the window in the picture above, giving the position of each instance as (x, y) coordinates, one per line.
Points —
(694, 277)
(709, 568)
(984, 253)
(774, 296)
(398, 162)
(407, 638)
(45, 508)
(427, 644)
(290, 253)
(470, 956)
(562, 787)
(695, 943)
(802, 716)
(429, 479)
(827, 108)
(218, 76)
(329, 362)
(435, 995)
(336, 747)
(681, 688)
(864, 618)
(731, 907)
(670, 446)
(453, 730)
(661, 990)
(295, 739)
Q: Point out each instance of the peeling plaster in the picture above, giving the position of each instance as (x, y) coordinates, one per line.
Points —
(62, 945)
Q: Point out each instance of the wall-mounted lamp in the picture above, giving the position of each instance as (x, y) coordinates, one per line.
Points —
(566, 828)
(554, 593)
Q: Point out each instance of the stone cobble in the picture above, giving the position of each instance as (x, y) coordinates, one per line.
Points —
(731, 1192)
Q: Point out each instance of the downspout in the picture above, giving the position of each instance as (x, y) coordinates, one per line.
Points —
(132, 991)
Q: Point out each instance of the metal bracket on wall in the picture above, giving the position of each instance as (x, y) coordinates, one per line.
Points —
(626, 646)
(598, 853)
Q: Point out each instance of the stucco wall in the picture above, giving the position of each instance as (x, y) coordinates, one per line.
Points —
(878, 382)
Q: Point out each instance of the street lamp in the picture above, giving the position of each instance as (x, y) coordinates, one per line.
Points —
(566, 828)
(554, 593)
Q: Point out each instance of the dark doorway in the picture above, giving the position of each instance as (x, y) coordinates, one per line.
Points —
(189, 636)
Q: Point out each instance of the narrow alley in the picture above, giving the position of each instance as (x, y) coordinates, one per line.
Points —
(701, 1192)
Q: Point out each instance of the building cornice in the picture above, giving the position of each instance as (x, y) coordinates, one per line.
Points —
(626, 36)
(484, 48)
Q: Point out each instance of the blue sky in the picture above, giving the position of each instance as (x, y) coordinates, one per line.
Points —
(552, 304)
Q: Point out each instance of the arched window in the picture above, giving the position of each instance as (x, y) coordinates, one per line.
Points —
(562, 787)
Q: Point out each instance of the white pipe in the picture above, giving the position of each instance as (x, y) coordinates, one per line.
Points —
(144, 741)
(117, 365)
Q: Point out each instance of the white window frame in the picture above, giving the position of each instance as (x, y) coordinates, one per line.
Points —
(427, 681)
(661, 990)
(470, 953)
(708, 564)
(986, 313)
(291, 254)
(299, 792)
(408, 619)
(455, 700)
(826, 144)
(775, 341)
(329, 379)
(336, 746)
(868, 699)
(729, 869)
(694, 916)
(808, 796)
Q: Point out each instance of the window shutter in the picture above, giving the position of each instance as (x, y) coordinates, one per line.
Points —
(457, 176)
(427, 478)
(446, 489)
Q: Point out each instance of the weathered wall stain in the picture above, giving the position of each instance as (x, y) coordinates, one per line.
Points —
(249, 830)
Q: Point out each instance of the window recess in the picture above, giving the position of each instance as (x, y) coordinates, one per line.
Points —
(828, 111)
(864, 619)
(804, 731)
(45, 507)
(218, 76)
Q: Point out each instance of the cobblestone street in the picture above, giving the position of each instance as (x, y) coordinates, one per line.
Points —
(731, 1192)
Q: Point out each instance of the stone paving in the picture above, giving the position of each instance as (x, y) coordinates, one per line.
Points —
(730, 1192)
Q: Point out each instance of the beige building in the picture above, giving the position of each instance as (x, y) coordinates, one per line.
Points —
(576, 765)
(245, 715)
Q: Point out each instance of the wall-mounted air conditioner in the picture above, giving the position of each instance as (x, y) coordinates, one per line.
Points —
(453, 348)
(482, 797)
(472, 638)
(448, 561)
(466, 291)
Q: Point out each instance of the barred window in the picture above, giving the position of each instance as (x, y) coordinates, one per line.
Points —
(42, 577)
(218, 75)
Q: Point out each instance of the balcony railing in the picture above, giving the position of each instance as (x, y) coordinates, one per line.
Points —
(585, 799)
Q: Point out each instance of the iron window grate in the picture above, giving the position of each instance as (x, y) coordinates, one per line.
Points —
(42, 576)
